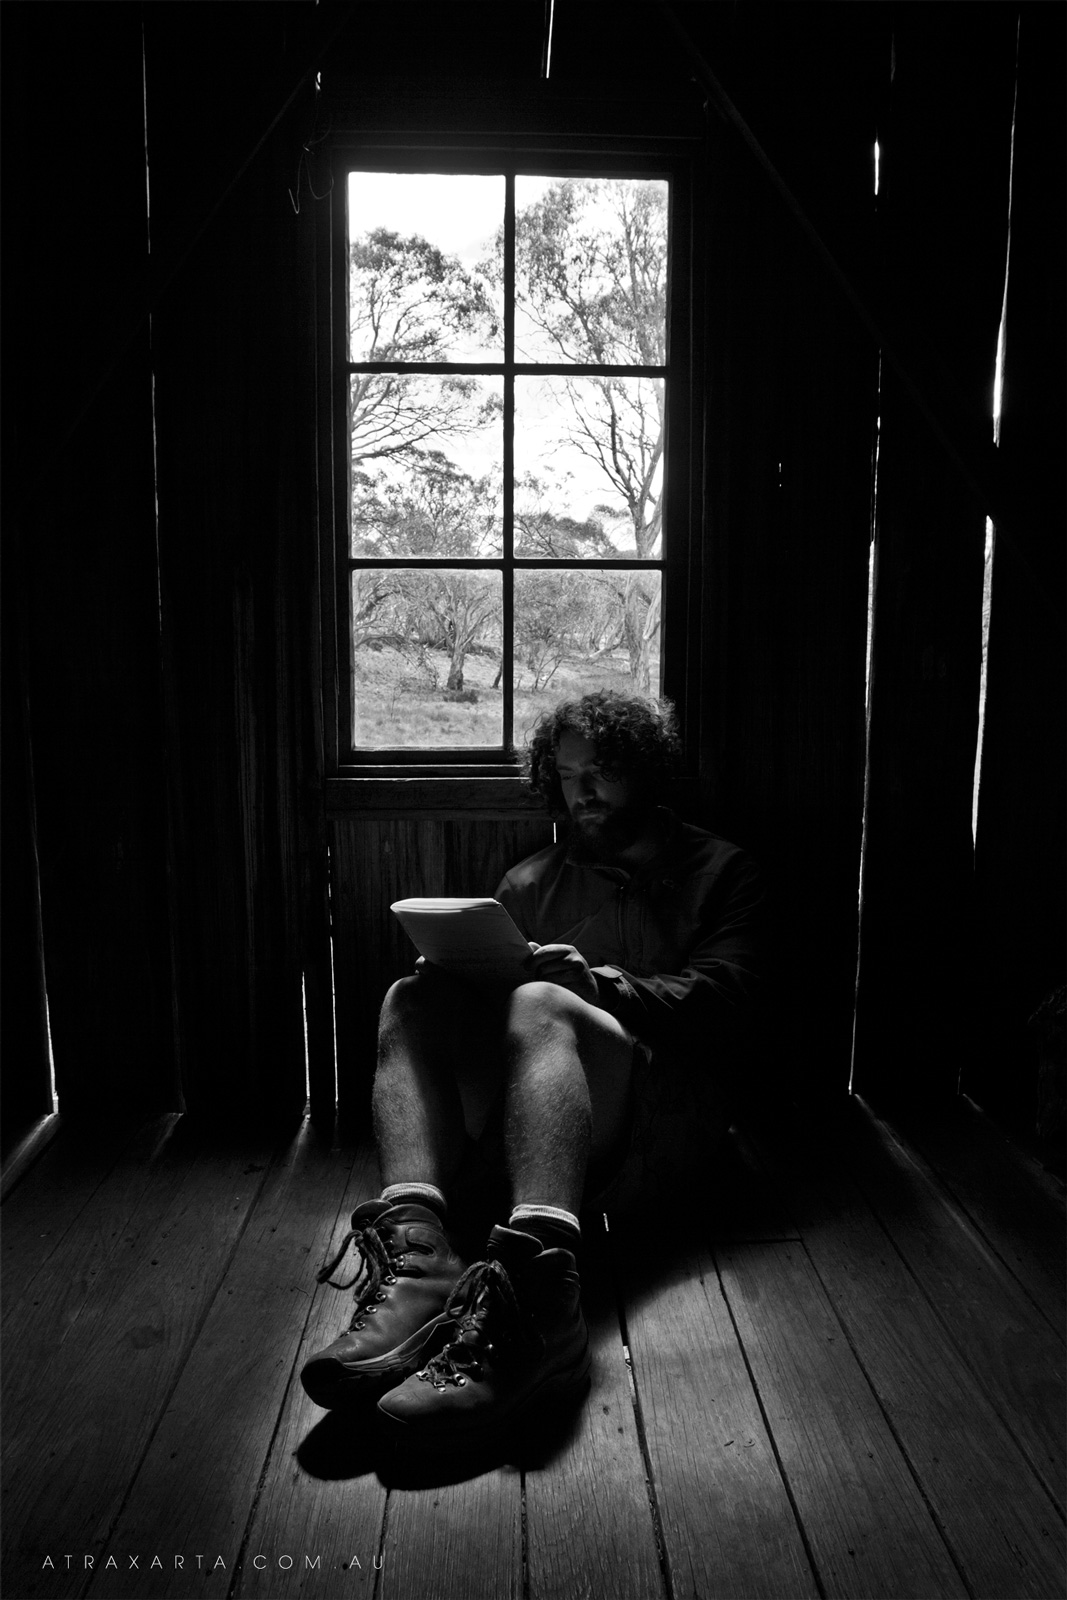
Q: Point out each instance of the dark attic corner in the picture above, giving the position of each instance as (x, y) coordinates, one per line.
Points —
(376, 377)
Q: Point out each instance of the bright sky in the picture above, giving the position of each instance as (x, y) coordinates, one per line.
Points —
(458, 212)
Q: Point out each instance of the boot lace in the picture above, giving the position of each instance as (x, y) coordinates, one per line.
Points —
(482, 1301)
(380, 1262)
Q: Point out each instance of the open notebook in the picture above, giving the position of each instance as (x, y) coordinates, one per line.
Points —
(475, 939)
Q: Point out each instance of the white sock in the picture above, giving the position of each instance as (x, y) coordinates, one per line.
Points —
(423, 1194)
(522, 1215)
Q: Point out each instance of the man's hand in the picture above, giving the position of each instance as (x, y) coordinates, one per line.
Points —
(563, 964)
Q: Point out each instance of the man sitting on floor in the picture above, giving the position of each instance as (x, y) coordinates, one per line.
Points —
(643, 945)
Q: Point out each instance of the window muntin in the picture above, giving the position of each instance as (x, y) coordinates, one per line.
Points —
(506, 424)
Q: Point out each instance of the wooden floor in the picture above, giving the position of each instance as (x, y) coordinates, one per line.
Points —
(841, 1376)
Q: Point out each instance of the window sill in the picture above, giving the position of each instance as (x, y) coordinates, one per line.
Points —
(384, 792)
(393, 793)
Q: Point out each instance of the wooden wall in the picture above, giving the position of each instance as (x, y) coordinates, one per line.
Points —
(1021, 843)
(943, 217)
(80, 581)
(791, 375)
(161, 685)
(168, 671)
(233, 345)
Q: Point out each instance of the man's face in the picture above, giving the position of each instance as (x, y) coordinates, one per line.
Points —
(606, 813)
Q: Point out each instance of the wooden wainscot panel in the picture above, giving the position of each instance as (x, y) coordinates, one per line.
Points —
(375, 861)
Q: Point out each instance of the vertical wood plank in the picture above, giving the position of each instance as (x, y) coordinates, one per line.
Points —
(25, 1093)
(319, 752)
(79, 489)
(233, 343)
(943, 204)
(791, 377)
(1021, 845)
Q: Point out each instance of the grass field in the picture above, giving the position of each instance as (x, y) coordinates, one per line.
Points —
(396, 708)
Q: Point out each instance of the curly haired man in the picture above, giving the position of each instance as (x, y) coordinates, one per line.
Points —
(643, 946)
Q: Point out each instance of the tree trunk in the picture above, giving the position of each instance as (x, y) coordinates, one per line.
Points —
(457, 639)
(638, 639)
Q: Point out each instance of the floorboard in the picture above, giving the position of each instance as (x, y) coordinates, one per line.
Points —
(1017, 1207)
(865, 1519)
(999, 1331)
(74, 1446)
(197, 1484)
(319, 1498)
(589, 1526)
(75, 1258)
(999, 1519)
(831, 1370)
(46, 1207)
(728, 1526)
(457, 1540)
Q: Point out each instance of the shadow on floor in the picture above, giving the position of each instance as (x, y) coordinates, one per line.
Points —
(346, 1445)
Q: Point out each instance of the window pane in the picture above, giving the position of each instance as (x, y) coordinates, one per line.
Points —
(424, 254)
(589, 466)
(426, 658)
(591, 270)
(427, 463)
(577, 631)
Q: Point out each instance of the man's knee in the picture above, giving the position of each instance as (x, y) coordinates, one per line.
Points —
(401, 1000)
(411, 1006)
(539, 1011)
(537, 1006)
(439, 1024)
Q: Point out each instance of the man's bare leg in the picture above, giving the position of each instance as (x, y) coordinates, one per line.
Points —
(406, 1268)
(566, 1065)
(520, 1340)
(418, 1112)
(569, 1067)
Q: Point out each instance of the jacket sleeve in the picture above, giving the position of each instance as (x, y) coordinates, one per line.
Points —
(512, 901)
(716, 992)
(517, 904)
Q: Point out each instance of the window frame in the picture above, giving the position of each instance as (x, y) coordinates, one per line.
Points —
(396, 775)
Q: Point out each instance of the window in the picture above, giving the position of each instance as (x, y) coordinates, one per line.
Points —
(511, 446)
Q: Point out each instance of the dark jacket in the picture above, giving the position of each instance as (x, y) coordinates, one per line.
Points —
(674, 945)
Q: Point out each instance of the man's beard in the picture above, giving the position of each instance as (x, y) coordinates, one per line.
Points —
(602, 833)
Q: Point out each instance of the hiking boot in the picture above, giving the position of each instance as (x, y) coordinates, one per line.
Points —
(407, 1271)
(518, 1341)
